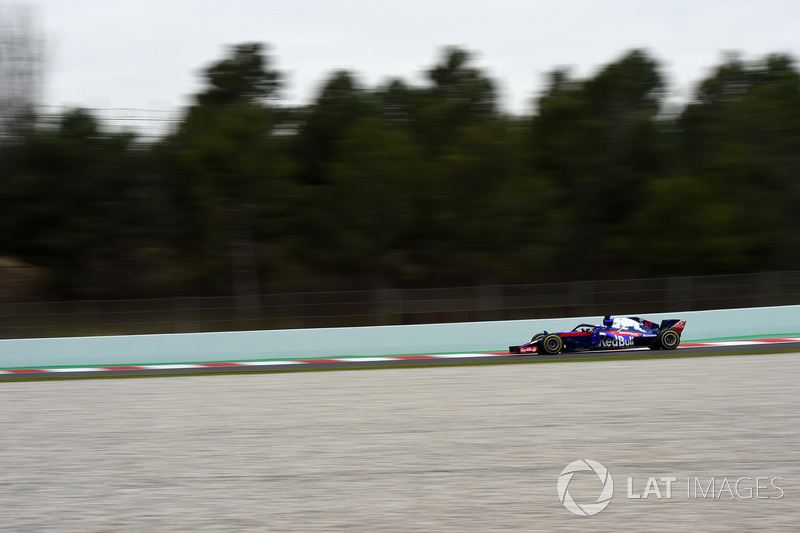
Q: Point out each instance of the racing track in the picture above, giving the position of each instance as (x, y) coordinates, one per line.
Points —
(688, 350)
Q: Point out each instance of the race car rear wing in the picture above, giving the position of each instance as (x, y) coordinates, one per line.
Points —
(673, 323)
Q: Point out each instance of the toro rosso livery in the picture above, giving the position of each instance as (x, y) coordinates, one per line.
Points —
(620, 332)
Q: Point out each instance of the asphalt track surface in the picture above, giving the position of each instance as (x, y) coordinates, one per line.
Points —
(416, 362)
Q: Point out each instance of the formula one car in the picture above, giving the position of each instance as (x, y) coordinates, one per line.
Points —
(628, 332)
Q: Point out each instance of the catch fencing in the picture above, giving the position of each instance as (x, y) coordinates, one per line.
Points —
(397, 306)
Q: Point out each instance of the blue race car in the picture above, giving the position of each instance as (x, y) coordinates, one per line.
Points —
(616, 333)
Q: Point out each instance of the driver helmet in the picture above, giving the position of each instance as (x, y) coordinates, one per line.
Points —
(608, 321)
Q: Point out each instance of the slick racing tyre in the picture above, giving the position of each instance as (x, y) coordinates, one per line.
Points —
(537, 337)
(668, 339)
(552, 344)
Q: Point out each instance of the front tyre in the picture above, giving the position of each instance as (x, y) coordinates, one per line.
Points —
(668, 339)
(552, 344)
(537, 337)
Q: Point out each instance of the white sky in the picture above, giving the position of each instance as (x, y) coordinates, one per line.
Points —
(148, 54)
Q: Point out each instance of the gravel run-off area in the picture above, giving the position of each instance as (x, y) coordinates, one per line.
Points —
(475, 448)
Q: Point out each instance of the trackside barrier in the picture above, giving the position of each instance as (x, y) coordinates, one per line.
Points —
(372, 340)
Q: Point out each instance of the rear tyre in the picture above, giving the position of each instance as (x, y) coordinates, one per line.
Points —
(552, 344)
(668, 339)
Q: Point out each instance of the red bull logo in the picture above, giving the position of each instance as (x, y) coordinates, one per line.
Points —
(616, 342)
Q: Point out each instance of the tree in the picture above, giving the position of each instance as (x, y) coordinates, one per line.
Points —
(21, 68)
(491, 207)
(365, 223)
(242, 76)
(341, 103)
(598, 142)
(684, 228)
(227, 172)
(459, 96)
(82, 203)
(741, 136)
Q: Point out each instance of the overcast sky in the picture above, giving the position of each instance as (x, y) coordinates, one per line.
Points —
(148, 53)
